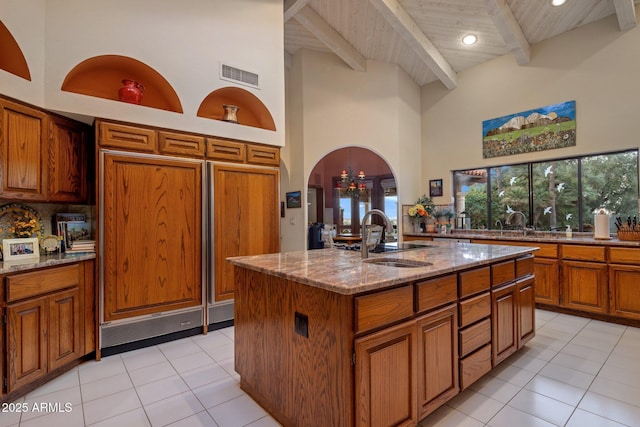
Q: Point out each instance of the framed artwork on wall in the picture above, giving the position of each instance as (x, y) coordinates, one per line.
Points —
(294, 200)
(544, 128)
(435, 188)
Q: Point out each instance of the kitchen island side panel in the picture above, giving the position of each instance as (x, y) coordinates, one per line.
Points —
(284, 370)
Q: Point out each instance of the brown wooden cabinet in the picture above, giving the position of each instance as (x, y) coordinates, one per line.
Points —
(68, 169)
(385, 357)
(152, 234)
(27, 336)
(585, 286)
(526, 310)
(437, 359)
(386, 372)
(505, 322)
(474, 325)
(624, 290)
(45, 322)
(547, 272)
(43, 157)
(23, 151)
(246, 218)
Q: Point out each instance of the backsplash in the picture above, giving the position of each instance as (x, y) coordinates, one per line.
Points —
(47, 210)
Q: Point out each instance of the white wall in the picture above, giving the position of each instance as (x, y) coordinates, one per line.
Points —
(25, 21)
(333, 106)
(596, 65)
(184, 41)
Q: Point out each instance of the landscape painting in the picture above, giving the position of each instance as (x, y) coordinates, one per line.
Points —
(545, 128)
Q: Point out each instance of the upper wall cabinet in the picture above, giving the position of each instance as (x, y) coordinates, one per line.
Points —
(23, 148)
(103, 76)
(68, 175)
(43, 157)
(11, 57)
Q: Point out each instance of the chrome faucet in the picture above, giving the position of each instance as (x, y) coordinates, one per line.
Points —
(364, 247)
(521, 222)
(498, 222)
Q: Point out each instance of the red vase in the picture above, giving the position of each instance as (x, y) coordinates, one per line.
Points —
(131, 92)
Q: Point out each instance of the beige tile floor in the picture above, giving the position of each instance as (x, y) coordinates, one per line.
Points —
(576, 373)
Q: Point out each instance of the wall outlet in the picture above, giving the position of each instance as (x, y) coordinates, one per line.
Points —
(301, 325)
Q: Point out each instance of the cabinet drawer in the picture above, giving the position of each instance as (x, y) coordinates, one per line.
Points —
(624, 255)
(474, 281)
(474, 366)
(181, 144)
(502, 272)
(524, 266)
(128, 137)
(263, 155)
(584, 252)
(475, 337)
(27, 285)
(546, 250)
(436, 292)
(222, 149)
(382, 308)
(475, 309)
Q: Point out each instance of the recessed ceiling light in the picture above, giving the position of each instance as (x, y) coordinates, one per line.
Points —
(469, 39)
(557, 2)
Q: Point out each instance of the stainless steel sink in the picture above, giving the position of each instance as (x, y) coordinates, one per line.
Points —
(397, 262)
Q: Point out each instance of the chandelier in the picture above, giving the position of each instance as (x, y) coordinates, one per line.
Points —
(351, 183)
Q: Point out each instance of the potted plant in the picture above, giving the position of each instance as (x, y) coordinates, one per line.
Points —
(422, 211)
(417, 212)
(449, 215)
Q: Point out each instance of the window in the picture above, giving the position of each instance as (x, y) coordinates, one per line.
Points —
(378, 192)
(509, 194)
(550, 194)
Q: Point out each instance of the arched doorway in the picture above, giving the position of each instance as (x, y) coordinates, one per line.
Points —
(339, 195)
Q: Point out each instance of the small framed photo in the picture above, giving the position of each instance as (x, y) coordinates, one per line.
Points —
(294, 200)
(20, 249)
(435, 188)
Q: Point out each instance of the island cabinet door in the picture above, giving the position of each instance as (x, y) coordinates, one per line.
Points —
(504, 322)
(386, 372)
(437, 359)
(526, 310)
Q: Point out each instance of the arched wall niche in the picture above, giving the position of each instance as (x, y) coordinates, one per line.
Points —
(12, 59)
(101, 77)
(251, 112)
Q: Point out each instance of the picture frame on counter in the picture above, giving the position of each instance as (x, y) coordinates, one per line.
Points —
(435, 188)
(20, 249)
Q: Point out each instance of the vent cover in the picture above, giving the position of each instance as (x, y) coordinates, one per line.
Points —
(248, 78)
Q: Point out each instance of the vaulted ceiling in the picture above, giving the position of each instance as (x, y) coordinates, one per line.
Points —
(423, 37)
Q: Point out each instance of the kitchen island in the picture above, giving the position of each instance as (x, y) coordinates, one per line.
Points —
(325, 338)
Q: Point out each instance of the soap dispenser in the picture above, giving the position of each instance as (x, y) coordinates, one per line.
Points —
(569, 233)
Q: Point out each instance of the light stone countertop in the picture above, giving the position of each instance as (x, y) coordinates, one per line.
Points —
(533, 237)
(344, 272)
(43, 262)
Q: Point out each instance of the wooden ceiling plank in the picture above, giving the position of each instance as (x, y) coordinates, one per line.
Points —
(330, 37)
(292, 7)
(626, 12)
(411, 33)
(510, 30)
